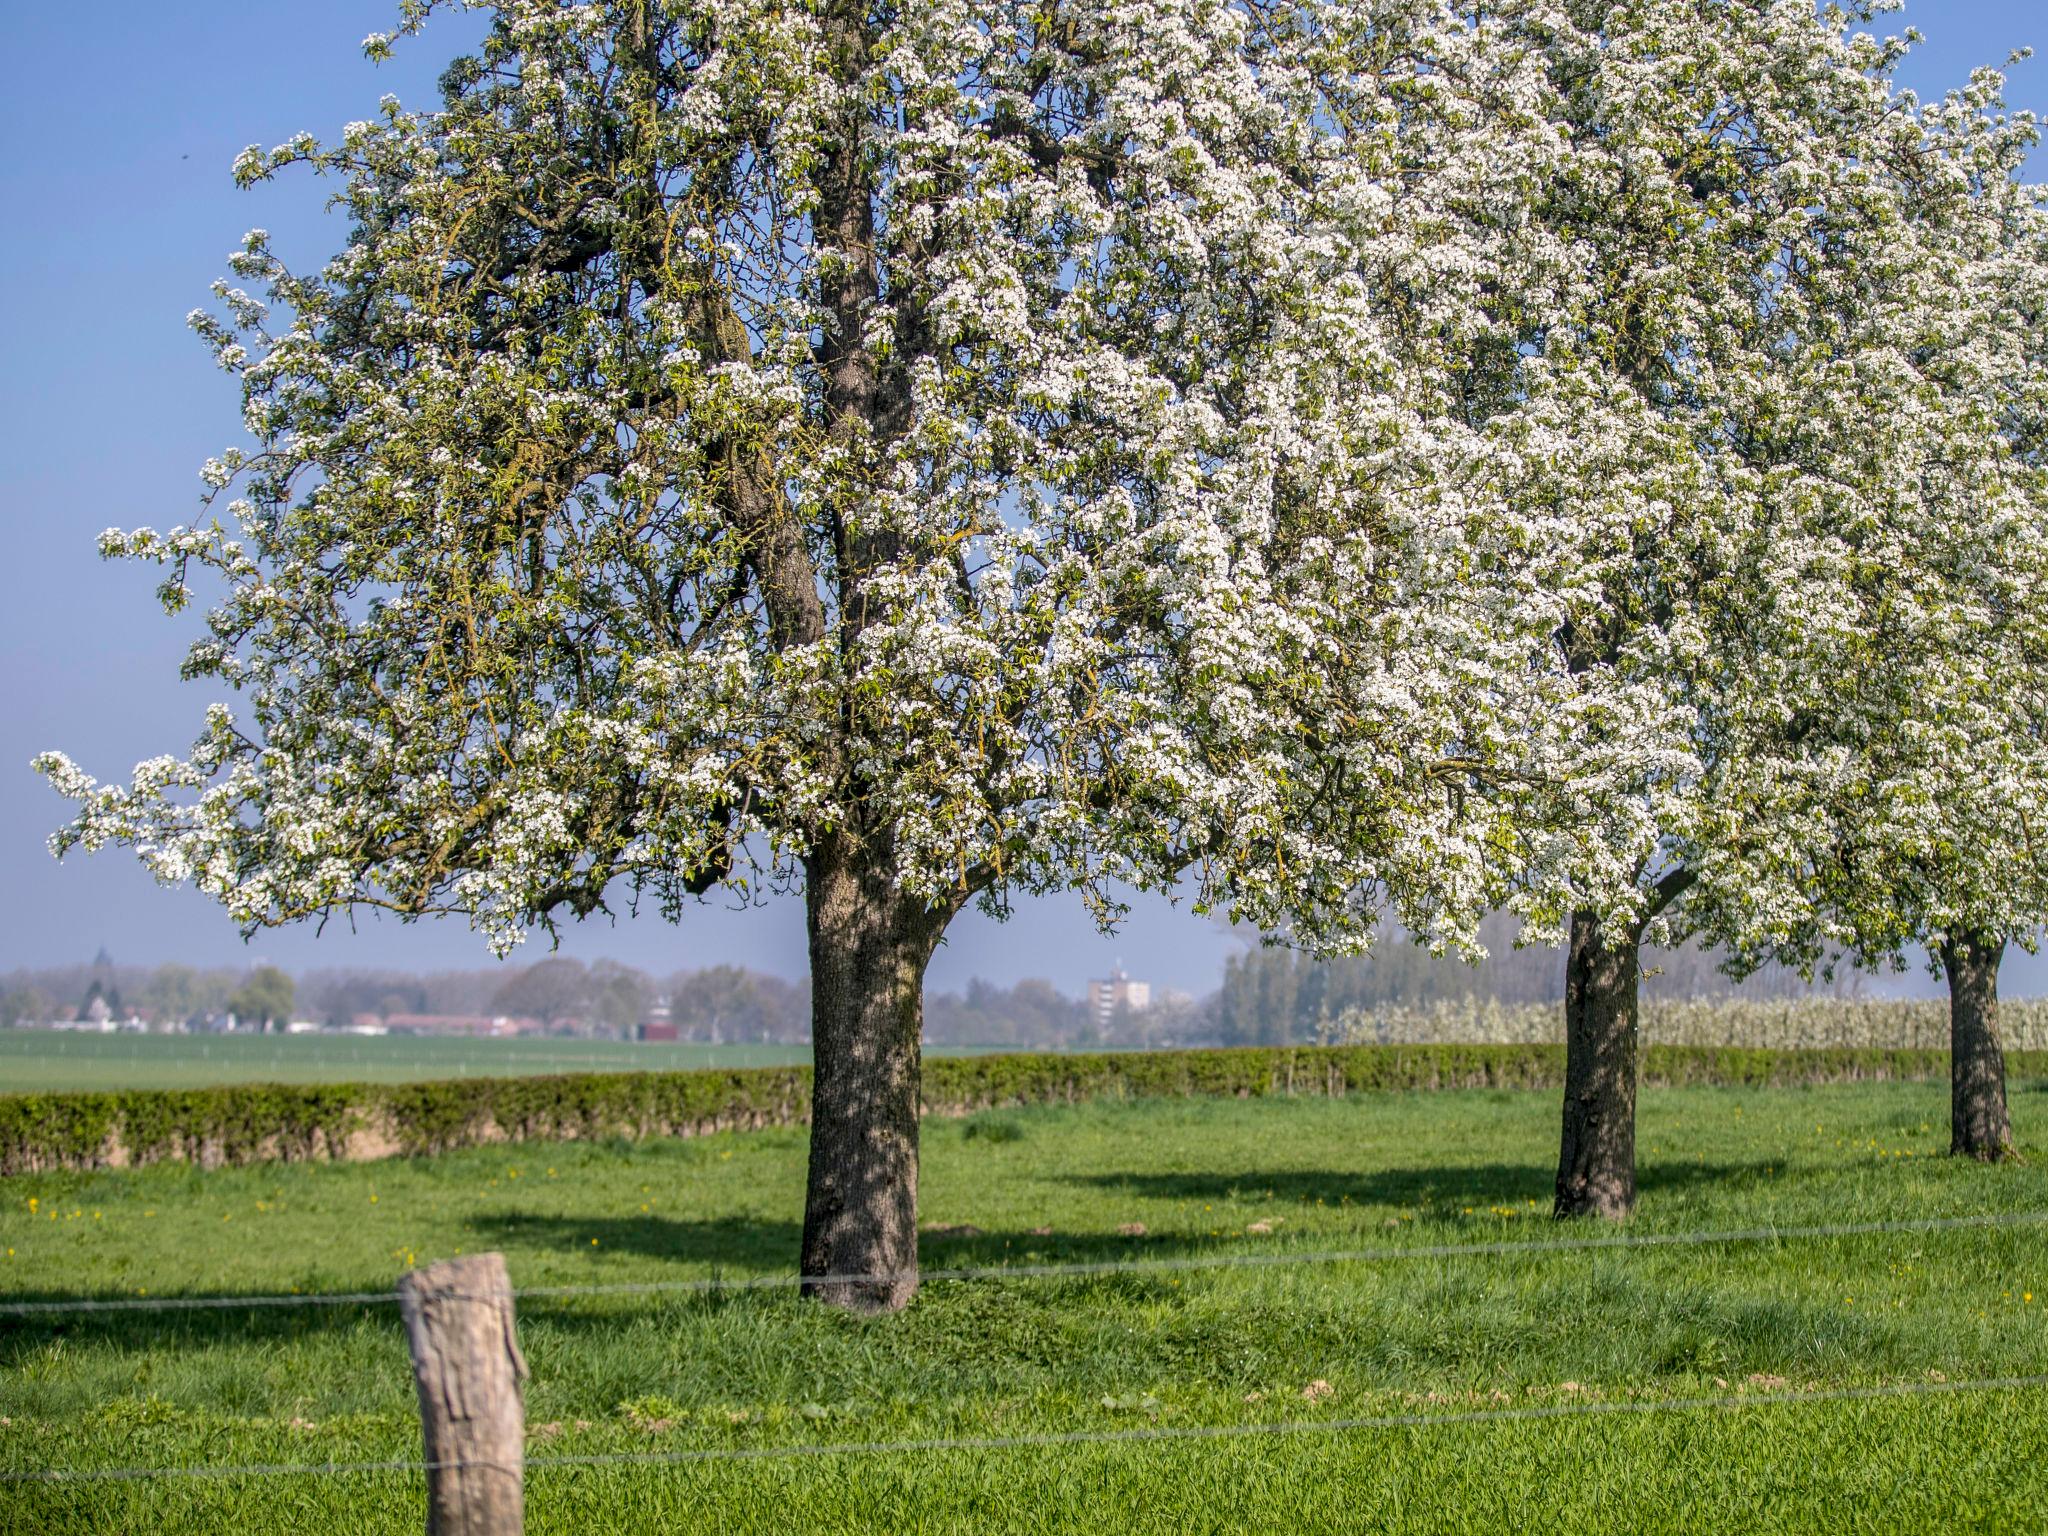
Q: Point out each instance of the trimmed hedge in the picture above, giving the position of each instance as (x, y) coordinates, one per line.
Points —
(267, 1122)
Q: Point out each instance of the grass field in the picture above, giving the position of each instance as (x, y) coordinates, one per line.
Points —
(1452, 1335)
(52, 1061)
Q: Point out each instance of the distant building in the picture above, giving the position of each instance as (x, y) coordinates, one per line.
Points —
(1116, 991)
(659, 1027)
(101, 1006)
(462, 1024)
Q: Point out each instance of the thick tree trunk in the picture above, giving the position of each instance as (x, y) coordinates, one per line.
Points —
(1596, 1166)
(1979, 1126)
(869, 948)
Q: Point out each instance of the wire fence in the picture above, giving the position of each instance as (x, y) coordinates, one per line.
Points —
(1729, 1401)
(1741, 1400)
(1384, 1254)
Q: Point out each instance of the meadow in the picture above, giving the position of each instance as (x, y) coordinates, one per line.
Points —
(1603, 1337)
(54, 1061)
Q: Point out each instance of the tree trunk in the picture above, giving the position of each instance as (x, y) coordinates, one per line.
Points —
(1979, 1126)
(1596, 1166)
(869, 948)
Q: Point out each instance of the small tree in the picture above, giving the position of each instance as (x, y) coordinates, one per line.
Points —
(1746, 178)
(620, 997)
(554, 988)
(27, 1004)
(915, 455)
(266, 997)
(172, 993)
(1934, 744)
(102, 1000)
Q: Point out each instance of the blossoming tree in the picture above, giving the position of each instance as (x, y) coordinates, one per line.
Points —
(916, 454)
(1749, 175)
(1933, 742)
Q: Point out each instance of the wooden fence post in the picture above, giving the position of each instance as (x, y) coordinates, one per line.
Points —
(466, 1360)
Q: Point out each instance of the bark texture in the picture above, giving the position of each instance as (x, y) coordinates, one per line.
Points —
(467, 1364)
(869, 948)
(1979, 1126)
(1596, 1166)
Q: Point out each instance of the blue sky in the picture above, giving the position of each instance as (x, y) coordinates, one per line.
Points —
(115, 141)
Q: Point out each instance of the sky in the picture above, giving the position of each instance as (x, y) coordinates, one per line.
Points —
(115, 143)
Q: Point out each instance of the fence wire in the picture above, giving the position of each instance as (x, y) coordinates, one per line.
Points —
(1386, 1421)
(1389, 1253)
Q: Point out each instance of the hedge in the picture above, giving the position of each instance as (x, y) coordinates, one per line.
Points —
(248, 1123)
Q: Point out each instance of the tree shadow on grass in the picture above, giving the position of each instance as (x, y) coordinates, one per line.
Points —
(706, 1264)
(28, 1338)
(747, 1244)
(736, 1249)
(1477, 1184)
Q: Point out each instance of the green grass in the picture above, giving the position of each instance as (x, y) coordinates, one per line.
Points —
(53, 1061)
(1440, 1335)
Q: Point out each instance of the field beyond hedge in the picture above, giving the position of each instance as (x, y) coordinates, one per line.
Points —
(58, 1061)
(1445, 1334)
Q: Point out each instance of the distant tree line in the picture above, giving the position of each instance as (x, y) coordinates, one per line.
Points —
(1279, 996)
(1035, 1014)
(728, 1003)
(171, 993)
(603, 998)
(1270, 996)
